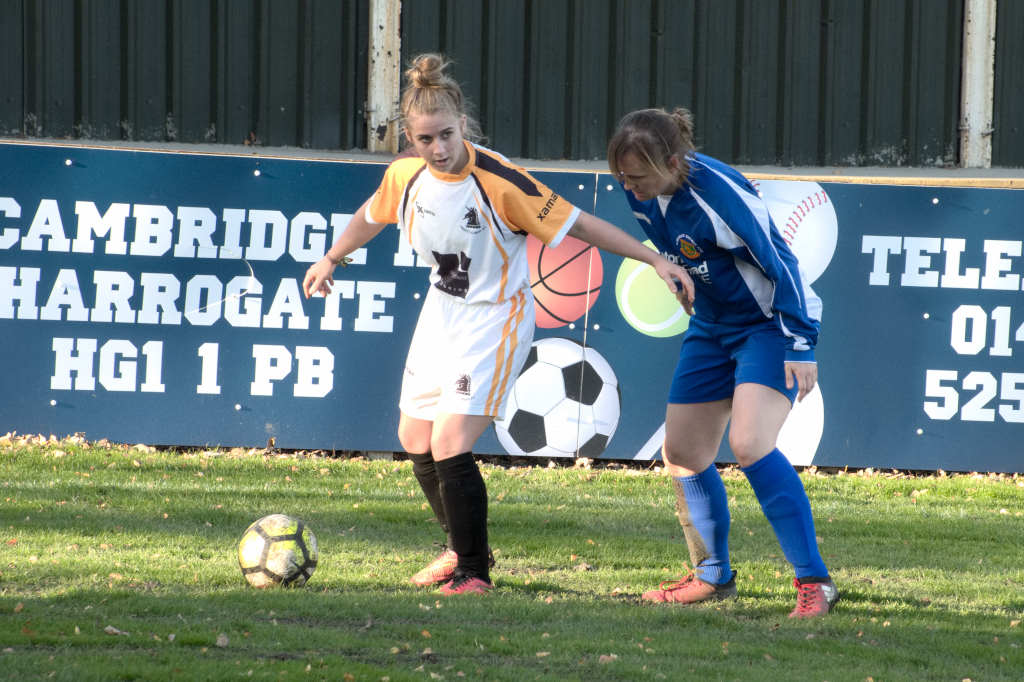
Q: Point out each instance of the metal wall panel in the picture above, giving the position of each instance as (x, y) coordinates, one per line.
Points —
(789, 82)
(51, 76)
(792, 82)
(1008, 112)
(12, 75)
(275, 72)
(145, 99)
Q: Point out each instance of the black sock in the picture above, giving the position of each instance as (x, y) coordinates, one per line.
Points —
(465, 504)
(425, 472)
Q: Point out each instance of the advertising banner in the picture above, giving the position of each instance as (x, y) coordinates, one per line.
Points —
(156, 297)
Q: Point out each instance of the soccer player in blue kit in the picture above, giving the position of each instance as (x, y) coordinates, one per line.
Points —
(748, 352)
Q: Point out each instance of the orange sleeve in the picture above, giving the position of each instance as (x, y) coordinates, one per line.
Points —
(523, 202)
(543, 216)
(386, 200)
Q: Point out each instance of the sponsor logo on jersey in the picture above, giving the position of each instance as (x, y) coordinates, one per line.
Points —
(423, 211)
(453, 271)
(688, 247)
(471, 221)
(547, 207)
(701, 272)
(462, 385)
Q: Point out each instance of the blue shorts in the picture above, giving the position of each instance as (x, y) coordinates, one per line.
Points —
(714, 359)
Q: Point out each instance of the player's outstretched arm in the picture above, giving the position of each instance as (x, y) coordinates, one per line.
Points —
(320, 275)
(607, 237)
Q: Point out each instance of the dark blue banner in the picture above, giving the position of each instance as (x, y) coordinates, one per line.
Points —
(156, 297)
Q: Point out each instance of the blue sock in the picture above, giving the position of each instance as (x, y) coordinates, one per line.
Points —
(784, 501)
(703, 511)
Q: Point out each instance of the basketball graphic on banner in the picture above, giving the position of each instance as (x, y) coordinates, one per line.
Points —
(803, 212)
(566, 280)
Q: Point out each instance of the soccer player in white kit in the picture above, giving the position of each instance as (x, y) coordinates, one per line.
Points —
(466, 210)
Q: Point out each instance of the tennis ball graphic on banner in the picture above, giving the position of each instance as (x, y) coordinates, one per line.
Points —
(645, 301)
(565, 280)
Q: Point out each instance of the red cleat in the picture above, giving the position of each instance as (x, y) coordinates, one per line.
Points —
(814, 597)
(440, 570)
(466, 583)
(691, 590)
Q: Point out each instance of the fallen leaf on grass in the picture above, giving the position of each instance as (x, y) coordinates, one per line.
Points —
(222, 640)
(606, 658)
(111, 630)
(18, 607)
(542, 654)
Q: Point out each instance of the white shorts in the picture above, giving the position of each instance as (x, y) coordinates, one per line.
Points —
(464, 358)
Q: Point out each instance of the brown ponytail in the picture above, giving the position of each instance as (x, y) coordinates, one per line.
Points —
(429, 90)
(654, 136)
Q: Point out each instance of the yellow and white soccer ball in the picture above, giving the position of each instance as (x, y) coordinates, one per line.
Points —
(277, 550)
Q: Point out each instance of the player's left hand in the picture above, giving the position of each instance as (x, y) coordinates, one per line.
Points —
(805, 374)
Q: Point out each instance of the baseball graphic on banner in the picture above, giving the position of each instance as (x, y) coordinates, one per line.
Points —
(803, 212)
(801, 432)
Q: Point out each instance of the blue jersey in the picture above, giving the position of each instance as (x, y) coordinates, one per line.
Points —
(718, 228)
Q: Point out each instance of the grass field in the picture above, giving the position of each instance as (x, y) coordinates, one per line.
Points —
(119, 563)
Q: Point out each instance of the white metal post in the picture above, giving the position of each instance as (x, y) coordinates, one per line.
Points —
(978, 83)
(384, 86)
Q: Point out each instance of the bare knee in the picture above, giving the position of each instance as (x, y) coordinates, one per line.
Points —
(413, 437)
(748, 447)
(685, 461)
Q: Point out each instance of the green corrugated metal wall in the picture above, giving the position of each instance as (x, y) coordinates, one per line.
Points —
(273, 72)
(790, 82)
(795, 82)
(1008, 114)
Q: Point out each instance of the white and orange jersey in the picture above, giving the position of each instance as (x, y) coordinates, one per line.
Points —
(471, 227)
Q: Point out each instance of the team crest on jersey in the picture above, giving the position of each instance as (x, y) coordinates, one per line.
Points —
(462, 385)
(471, 221)
(688, 247)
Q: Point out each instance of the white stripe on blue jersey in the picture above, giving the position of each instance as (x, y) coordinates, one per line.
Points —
(719, 228)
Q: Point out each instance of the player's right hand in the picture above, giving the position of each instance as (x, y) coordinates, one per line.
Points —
(685, 297)
(319, 277)
(683, 286)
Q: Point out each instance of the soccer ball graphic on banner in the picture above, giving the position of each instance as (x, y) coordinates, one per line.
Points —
(277, 550)
(565, 403)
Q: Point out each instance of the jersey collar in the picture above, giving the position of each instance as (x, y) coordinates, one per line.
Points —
(466, 170)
